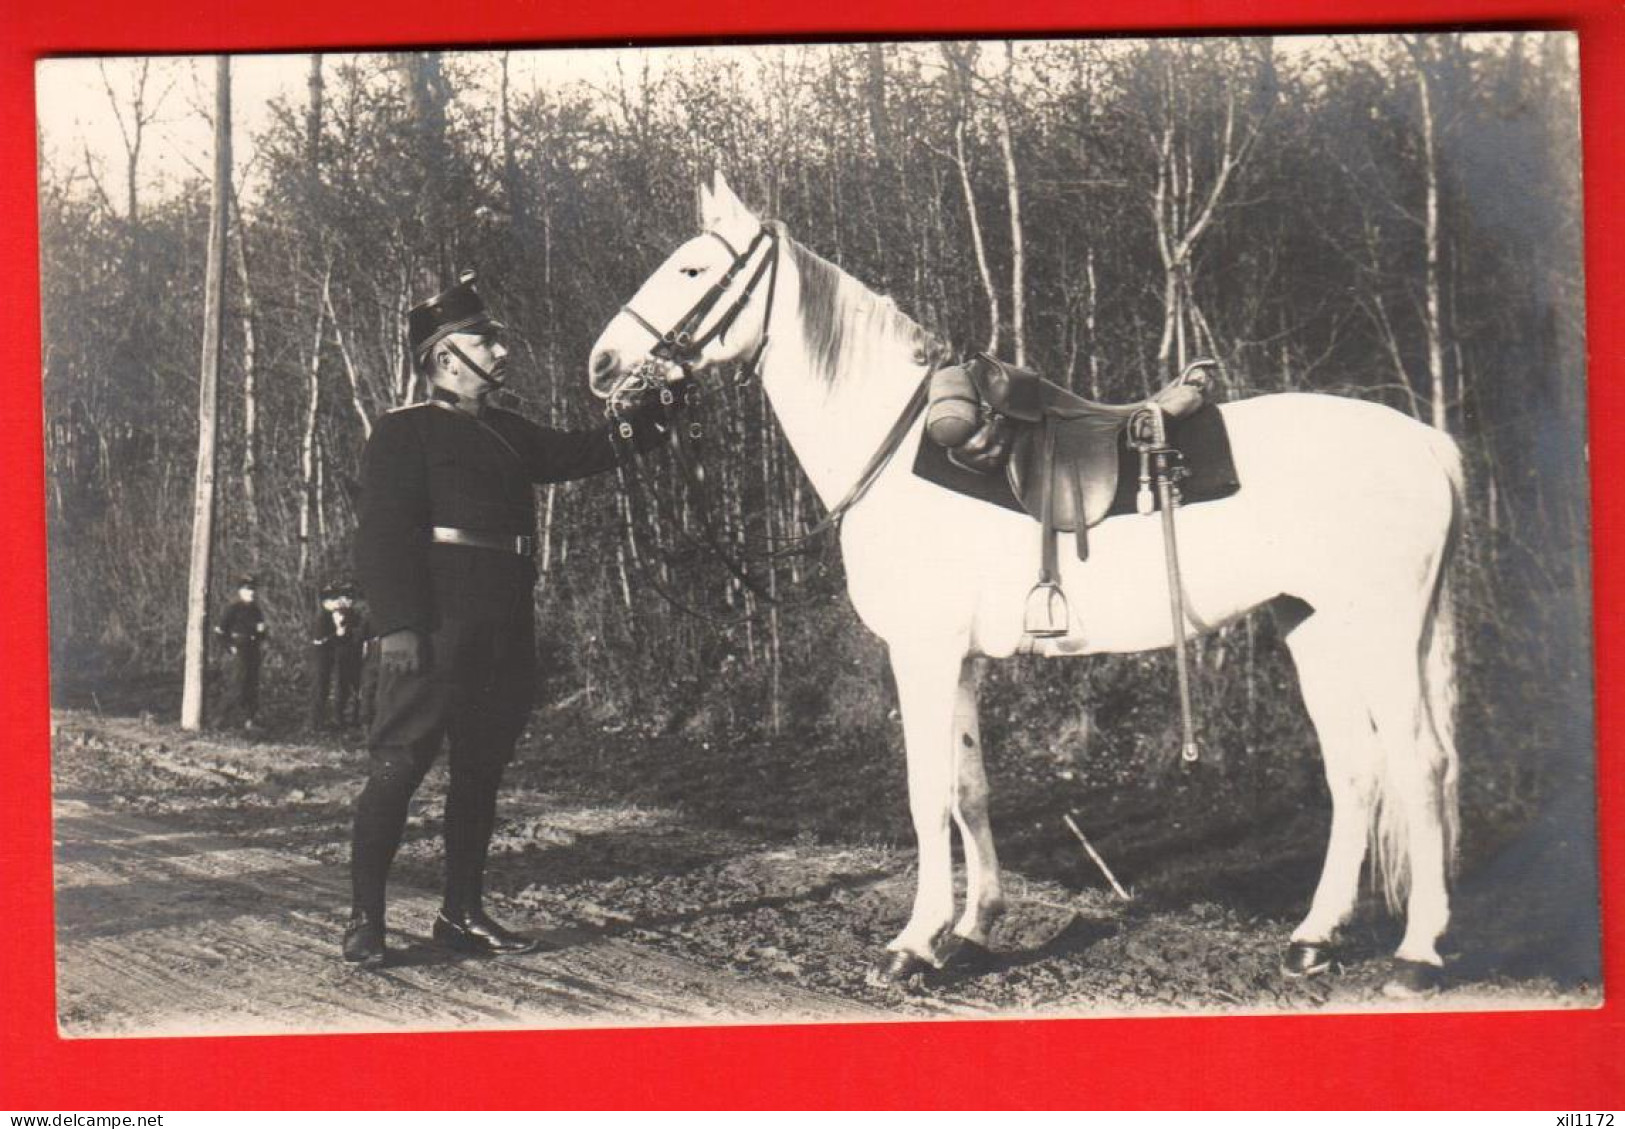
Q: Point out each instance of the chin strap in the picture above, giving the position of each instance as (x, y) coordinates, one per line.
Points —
(472, 367)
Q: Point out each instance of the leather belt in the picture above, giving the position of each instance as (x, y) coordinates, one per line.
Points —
(518, 543)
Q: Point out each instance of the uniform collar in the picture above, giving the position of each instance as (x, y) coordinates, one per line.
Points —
(445, 397)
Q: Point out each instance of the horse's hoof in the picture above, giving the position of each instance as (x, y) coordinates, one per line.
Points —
(1304, 959)
(1413, 980)
(894, 969)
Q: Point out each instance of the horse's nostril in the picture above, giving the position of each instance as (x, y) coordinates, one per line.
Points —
(604, 362)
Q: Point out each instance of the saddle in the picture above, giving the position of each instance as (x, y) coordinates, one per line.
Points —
(1059, 451)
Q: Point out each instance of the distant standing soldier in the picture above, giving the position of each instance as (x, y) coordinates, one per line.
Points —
(350, 632)
(443, 550)
(323, 652)
(242, 627)
(335, 648)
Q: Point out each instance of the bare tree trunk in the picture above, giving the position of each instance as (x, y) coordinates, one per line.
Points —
(774, 715)
(307, 446)
(321, 490)
(546, 563)
(197, 613)
(995, 316)
(1090, 313)
(875, 89)
(137, 348)
(1181, 219)
(960, 64)
(404, 374)
(512, 180)
(1018, 276)
(1439, 407)
(313, 127)
(356, 400)
(251, 436)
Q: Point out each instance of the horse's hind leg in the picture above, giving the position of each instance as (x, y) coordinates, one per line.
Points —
(1411, 825)
(1334, 696)
(927, 686)
(984, 894)
(1385, 766)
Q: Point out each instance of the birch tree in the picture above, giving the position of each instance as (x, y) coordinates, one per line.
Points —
(1194, 170)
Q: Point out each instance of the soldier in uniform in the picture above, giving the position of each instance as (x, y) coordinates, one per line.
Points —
(336, 642)
(443, 550)
(323, 654)
(352, 632)
(242, 627)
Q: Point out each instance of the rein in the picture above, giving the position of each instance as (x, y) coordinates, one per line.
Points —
(775, 548)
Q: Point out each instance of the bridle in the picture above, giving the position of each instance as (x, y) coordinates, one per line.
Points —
(684, 343)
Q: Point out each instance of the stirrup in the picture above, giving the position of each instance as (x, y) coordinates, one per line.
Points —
(1047, 615)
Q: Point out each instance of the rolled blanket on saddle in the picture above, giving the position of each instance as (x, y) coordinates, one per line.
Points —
(953, 412)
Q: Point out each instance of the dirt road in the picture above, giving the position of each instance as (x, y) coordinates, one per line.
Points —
(164, 931)
(202, 884)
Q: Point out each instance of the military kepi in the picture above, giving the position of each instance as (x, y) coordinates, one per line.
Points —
(456, 309)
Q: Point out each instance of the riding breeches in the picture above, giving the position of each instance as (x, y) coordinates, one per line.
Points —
(473, 693)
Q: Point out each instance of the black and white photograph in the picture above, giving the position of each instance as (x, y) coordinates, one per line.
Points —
(818, 532)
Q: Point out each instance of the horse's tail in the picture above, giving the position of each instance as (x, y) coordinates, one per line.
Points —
(1437, 669)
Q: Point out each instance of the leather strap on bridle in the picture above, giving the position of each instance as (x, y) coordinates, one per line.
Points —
(680, 346)
(683, 343)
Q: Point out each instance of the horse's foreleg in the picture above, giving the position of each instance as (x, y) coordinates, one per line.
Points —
(927, 684)
(984, 894)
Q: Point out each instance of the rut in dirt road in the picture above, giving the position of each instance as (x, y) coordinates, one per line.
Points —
(163, 931)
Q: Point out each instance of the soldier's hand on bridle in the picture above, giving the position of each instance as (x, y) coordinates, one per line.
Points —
(401, 652)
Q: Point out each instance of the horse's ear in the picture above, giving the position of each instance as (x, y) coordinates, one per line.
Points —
(726, 203)
(705, 205)
(713, 206)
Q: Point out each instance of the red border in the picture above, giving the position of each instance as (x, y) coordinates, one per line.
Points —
(1552, 1060)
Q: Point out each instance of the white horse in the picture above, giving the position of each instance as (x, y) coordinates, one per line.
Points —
(1350, 507)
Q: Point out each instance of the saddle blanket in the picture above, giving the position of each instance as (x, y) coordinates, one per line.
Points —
(1200, 436)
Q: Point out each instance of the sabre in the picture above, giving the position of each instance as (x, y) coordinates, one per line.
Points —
(1157, 450)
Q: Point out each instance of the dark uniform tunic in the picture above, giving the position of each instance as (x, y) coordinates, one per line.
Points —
(242, 625)
(434, 465)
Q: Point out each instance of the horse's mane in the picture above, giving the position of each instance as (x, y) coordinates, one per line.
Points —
(840, 316)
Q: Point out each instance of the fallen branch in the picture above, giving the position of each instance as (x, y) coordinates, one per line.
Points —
(1100, 862)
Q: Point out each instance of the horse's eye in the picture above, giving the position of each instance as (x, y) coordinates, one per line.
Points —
(690, 272)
